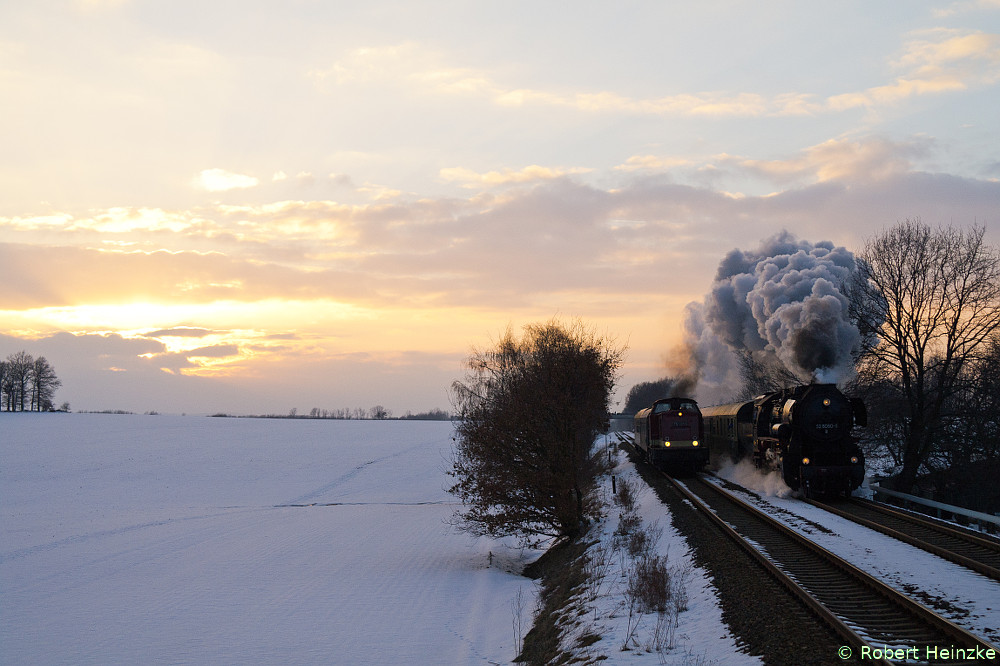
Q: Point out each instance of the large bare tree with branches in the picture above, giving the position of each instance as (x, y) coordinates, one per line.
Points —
(528, 413)
(44, 383)
(927, 301)
(17, 379)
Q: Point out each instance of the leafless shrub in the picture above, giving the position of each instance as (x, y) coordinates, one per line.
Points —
(642, 541)
(679, 577)
(626, 496)
(523, 460)
(517, 619)
(649, 584)
(638, 543)
(664, 632)
(596, 567)
(648, 590)
(628, 523)
(633, 619)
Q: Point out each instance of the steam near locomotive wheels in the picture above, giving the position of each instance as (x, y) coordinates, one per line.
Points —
(805, 432)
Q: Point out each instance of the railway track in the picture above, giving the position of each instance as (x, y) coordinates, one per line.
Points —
(972, 551)
(874, 620)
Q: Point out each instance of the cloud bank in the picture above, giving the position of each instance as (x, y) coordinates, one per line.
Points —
(228, 290)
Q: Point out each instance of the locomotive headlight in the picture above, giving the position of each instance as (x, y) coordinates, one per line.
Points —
(805, 461)
(854, 460)
(826, 402)
(694, 443)
(666, 443)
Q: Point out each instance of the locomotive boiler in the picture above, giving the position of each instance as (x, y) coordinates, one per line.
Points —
(805, 432)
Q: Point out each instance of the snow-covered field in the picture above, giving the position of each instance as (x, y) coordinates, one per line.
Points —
(167, 539)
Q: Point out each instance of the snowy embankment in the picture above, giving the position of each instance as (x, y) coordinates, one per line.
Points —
(163, 539)
(608, 619)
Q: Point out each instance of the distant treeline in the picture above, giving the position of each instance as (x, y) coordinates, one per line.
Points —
(27, 384)
(377, 413)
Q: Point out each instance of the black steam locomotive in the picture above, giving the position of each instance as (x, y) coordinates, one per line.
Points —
(670, 434)
(805, 432)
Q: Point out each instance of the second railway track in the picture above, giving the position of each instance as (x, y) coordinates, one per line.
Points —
(868, 614)
(981, 554)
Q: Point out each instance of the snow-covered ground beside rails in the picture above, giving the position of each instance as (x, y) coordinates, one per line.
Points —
(964, 597)
(167, 539)
(696, 635)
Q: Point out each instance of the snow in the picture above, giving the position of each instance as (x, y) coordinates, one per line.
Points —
(694, 635)
(169, 539)
(156, 539)
(964, 597)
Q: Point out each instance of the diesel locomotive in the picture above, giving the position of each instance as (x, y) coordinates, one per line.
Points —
(671, 434)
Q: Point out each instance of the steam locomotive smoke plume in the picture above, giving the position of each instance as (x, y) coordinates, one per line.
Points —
(781, 302)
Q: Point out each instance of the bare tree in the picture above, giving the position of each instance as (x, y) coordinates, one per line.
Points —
(3, 384)
(932, 298)
(529, 412)
(380, 413)
(760, 375)
(983, 404)
(645, 394)
(43, 385)
(970, 443)
(17, 380)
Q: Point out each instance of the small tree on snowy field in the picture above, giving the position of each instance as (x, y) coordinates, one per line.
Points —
(528, 414)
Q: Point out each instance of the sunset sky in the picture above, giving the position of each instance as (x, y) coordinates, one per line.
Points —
(250, 206)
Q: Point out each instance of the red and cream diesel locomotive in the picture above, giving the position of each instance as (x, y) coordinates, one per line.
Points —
(670, 434)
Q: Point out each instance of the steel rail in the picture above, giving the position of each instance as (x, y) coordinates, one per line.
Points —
(850, 637)
(968, 550)
(890, 615)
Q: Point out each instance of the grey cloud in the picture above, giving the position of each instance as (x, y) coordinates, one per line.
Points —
(651, 236)
(180, 332)
(178, 360)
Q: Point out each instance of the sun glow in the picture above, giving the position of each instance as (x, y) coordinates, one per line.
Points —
(136, 317)
(118, 317)
(215, 367)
